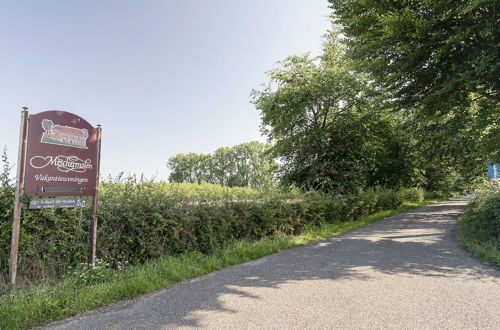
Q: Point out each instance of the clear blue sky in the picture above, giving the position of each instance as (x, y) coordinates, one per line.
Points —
(161, 76)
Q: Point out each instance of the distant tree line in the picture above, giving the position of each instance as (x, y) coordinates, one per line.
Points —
(243, 165)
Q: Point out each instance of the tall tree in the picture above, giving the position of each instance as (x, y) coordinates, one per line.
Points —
(327, 125)
(431, 54)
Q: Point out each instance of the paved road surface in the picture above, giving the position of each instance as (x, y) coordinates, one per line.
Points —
(404, 272)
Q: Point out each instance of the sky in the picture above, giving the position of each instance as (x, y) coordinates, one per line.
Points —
(162, 77)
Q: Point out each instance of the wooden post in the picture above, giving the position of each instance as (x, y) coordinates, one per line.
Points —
(95, 202)
(16, 224)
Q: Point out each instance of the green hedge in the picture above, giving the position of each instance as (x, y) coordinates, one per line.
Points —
(143, 220)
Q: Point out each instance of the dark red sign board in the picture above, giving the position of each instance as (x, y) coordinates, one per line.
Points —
(61, 155)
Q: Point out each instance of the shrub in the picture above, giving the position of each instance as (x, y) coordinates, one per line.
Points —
(412, 195)
(387, 199)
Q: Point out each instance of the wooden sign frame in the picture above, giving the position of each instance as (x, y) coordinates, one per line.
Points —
(51, 145)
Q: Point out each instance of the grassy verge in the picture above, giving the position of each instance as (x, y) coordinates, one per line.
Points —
(82, 291)
(479, 227)
(489, 250)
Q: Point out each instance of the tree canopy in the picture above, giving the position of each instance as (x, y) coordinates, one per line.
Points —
(429, 54)
(327, 127)
(333, 130)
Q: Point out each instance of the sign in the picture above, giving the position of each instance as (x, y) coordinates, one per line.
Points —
(61, 155)
(57, 203)
(494, 171)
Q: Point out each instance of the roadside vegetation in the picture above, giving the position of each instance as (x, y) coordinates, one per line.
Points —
(141, 220)
(479, 227)
(84, 288)
(152, 235)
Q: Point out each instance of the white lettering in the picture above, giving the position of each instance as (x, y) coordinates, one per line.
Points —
(47, 178)
(62, 163)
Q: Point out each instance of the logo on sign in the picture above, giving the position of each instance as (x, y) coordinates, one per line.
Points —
(64, 135)
(62, 163)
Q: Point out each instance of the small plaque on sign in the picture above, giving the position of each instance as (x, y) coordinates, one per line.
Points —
(57, 203)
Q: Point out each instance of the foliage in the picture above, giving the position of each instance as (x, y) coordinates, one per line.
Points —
(6, 211)
(452, 151)
(243, 165)
(479, 227)
(5, 179)
(142, 220)
(84, 274)
(436, 61)
(329, 128)
(334, 130)
(429, 54)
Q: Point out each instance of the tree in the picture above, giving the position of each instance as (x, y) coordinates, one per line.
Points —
(328, 127)
(243, 165)
(430, 54)
(438, 62)
(454, 146)
(191, 167)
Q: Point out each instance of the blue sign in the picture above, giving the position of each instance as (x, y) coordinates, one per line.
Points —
(494, 171)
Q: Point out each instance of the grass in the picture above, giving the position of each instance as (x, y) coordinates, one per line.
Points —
(86, 290)
(489, 250)
(479, 227)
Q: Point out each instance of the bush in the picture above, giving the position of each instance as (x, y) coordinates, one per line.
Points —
(412, 195)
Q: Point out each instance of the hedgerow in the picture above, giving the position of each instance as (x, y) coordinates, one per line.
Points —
(141, 220)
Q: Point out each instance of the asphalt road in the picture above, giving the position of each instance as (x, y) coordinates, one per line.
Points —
(404, 272)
